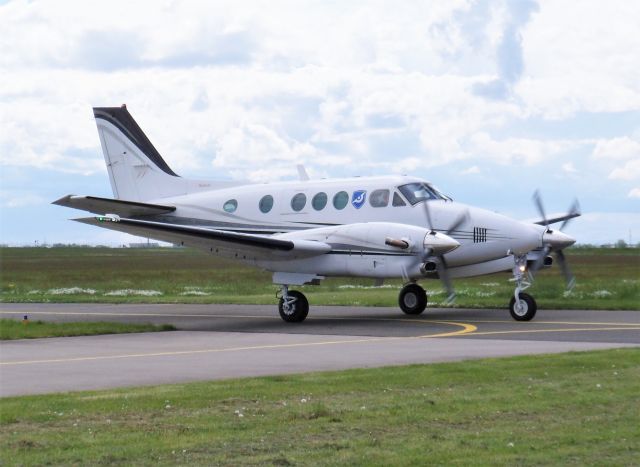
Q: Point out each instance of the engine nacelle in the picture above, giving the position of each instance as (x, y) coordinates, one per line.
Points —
(380, 236)
(429, 267)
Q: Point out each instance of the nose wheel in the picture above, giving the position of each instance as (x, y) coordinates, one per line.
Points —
(523, 309)
(522, 306)
(412, 299)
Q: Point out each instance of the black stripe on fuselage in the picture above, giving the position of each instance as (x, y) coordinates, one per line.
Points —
(366, 253)
(231, 237)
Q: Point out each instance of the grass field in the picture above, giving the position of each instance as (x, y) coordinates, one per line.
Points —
(607, 279)
(12, 329)
(568, 409)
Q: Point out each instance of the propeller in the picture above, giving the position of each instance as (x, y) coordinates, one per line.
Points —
(555, 241)
(441, 264)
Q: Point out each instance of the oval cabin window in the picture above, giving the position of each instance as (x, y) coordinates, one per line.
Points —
(298, 202)
(266, 203)
(230, 206)
(340, 200)
(319, 201)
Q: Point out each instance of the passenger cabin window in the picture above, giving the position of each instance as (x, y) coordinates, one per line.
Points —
(230, 206)
(416, 192)
(397, 200)
(340, 200)
(298, 202)
(266, 203)
(319, 201)
(379, 198)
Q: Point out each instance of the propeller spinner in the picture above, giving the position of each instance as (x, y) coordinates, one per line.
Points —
(440, 263)
(555, 240)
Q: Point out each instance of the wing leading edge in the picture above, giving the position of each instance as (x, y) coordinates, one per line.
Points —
(223, 243)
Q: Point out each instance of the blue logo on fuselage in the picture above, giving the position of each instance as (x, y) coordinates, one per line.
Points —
(358, 198)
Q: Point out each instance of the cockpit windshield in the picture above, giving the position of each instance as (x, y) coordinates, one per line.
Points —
(416, 192)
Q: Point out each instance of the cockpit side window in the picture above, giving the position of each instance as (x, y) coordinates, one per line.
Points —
(416, 192)
(440, 194)
(397, 200)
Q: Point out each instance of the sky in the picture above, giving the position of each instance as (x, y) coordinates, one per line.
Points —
(489, 100)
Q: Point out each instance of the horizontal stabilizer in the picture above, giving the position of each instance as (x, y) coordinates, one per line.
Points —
(223, 243)
(113, 206)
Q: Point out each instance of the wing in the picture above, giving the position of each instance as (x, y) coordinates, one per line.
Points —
(219, 242)
(112, 206)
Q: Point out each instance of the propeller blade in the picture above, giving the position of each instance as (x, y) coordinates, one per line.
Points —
(428, 215)
(574, 209)
(537, 199)
(443, 274)
(566, 272)
(428, 252)
(458, 222)
(535, 267)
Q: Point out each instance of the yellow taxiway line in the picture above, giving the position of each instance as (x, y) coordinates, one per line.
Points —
(466, 328)
(526, 331)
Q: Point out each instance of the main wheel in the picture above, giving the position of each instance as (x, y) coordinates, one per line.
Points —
(527, 309)
(296, 310)
(412, 299)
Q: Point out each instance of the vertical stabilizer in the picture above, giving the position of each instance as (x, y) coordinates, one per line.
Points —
(137, 171)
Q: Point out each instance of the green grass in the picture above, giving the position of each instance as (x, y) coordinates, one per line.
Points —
(12, 329)
(567, 409)
(607, 279)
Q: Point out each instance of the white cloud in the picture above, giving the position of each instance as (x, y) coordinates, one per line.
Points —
(617, 149)
(471, 170)
(569, 168)
(581, 58)
(630, 171)
(634, 193)
(520, 151)
(21, 199)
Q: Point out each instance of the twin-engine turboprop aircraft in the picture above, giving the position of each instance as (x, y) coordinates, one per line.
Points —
(303, 231)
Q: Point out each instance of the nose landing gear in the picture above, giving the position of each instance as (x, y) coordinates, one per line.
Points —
(522, 306)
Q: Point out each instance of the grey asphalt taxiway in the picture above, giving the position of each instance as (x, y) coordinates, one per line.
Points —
(226, 341)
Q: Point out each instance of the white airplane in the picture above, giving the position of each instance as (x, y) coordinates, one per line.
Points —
(305, 230)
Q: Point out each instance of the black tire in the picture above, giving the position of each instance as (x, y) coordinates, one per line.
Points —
(412, 299)
(529, 308)
(299, 309)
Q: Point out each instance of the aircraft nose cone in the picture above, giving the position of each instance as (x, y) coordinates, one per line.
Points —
(557, 239)
(440, 243)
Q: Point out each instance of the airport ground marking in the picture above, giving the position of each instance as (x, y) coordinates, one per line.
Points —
(533, 322)
(466, 328)
(342, 318)
(531, 331)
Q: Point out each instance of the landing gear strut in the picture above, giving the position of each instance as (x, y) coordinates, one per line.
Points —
(522, 306)
(412, 299)
(293, 305)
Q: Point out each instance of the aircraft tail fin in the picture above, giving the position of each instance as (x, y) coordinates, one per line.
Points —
(137, 171)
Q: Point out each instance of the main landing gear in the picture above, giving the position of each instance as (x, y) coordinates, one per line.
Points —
(412, 299)
(293, 305)
(522, 306)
